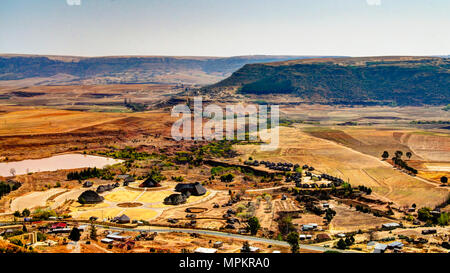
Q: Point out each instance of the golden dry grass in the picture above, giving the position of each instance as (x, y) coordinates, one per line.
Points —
(140, 214)
(40, 121)
(122, 195)
(154, 196)
(105, 213)
(353, 166)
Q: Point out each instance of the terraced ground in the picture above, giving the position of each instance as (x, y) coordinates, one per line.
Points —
(327, 156)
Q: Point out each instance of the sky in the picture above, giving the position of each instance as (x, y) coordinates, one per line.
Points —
(225, 27)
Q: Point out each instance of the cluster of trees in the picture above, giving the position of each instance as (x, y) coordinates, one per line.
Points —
(156, 175)
(178, 178)
(402, 164)
(362, 209)
(430, 121)
(25, 213)
(344, 244)
(227, 178)
(365, 189)
(185, 158)
(329, 214)
(90, 173)
(43, 214)
(398, 154)
(129, 153)
(424, 214)
(135, 107)
(398, 161)
(221, 148)
(285, 225)
(7, 187)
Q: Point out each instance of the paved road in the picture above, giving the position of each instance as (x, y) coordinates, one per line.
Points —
(226, 235)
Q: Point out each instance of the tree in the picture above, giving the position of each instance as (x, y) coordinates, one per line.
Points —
(245, 247)
(26, 213)
(93, 234)
(75, 234)
(443, 219)
(341, 244)
(285, 225)
(424, 214)
(253, 225)
(385, 155)
(292, 239)
(398, 154)
(12, 171)
(408, 155)
(227, 177)
(349, 240)
(444, 180)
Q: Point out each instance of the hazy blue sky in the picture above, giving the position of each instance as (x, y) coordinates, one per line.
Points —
(225, 27)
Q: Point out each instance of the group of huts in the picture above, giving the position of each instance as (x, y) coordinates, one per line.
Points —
(277, 166)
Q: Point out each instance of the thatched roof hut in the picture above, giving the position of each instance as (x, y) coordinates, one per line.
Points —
(149, 183)
(122, 219)
(101, 189)
(175, 199)
(88, 184)
(193, 188)
(90, 197)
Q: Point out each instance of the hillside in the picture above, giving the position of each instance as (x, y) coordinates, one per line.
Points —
(26, 70)
(370, 80)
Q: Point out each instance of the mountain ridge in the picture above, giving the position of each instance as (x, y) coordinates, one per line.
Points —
(401, 80)
(64, 70)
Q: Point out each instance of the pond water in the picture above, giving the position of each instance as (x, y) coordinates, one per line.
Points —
(57, 162)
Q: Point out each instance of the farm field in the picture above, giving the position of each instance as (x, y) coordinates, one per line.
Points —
(91, 98)
(348, 219)
(384, 116)
(38, 133)
(349, 164)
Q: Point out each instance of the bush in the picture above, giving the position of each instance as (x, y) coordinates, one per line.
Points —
(227, 177)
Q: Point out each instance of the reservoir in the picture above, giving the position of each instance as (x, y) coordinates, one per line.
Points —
(57, 162)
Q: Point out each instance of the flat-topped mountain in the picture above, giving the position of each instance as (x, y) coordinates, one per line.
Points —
(379, 80)
(63, 70)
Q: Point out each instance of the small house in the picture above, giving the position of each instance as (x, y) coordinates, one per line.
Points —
(205, 250)
(395, 245)
(106, 241)
(88, 184)
(379, 248)
(218, 244)
(391, 225)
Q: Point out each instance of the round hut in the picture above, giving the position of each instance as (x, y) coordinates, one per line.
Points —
(90, 197)
(149, 183)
